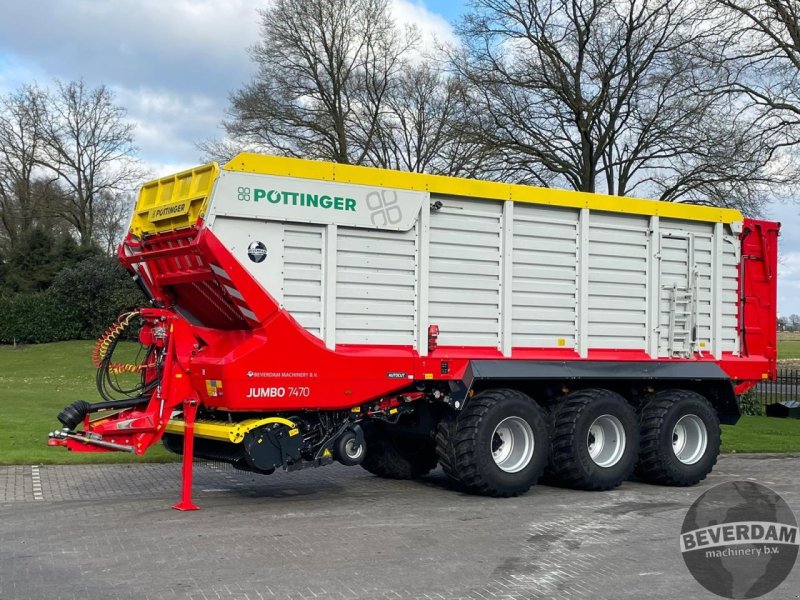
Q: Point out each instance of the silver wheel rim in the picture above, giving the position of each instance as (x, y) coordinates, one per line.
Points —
(606, 441)
(353, 450)
(512, 444)
(689, 439)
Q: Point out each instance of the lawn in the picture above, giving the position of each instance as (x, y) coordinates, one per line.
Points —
(36, 382)
(762, 434)
(788, 345)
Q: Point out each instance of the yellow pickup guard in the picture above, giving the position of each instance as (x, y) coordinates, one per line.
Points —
(174, 202)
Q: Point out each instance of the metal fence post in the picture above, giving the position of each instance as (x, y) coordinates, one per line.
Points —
(785, 387)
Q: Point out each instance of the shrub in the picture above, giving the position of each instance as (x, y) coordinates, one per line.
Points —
(94, 293)
(82, 302)
(750, 404)
(35, 318)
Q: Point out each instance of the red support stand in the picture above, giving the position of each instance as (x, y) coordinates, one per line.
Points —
(189, 412)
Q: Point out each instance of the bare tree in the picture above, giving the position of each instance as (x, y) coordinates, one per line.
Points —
(112, 213)
(339, 81)
(422, 127)
(20, 142)
(325, 68)
(223, 150)
(758, 50)
(759, 44)
(606, 95)
(727, 160)
(88, 147)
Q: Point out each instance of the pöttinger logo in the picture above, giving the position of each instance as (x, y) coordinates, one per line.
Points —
(384, 208)
(739, 540)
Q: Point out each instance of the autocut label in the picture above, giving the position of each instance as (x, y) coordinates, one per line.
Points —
(740, 540)
(274, 198)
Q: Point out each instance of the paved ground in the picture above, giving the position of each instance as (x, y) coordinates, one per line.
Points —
(107, 532)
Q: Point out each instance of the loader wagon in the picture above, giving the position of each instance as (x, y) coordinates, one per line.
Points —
(303, 312)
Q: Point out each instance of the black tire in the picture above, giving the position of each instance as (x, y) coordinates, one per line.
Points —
(349, 449)
(571, 463)
(465, 444)
(658, 462)
(396, 456)
(444, 447)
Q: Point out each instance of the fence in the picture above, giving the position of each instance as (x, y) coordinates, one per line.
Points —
(785, 387)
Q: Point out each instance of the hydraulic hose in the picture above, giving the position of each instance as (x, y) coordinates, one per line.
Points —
(106, 343)
(107, 370)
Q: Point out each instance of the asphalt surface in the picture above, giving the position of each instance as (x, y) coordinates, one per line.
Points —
(107, 531)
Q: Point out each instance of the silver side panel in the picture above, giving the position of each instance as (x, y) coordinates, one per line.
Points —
(731, 257)
(303, 275)
(544, 277)
(375, 287)
(464, 273)
(617, 286)
(503, 275)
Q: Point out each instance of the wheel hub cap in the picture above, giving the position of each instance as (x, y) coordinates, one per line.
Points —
(606, 441)
(352, 449)
(689, 439)
(512, 444)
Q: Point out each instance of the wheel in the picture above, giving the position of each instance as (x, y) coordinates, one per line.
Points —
(680, 438)
(595, 440)
(396, 456)
(348, 449)
(497, 445)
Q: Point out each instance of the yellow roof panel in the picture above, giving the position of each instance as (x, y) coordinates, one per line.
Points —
(456, 186)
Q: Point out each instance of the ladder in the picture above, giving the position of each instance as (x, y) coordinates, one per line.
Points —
(682, 327)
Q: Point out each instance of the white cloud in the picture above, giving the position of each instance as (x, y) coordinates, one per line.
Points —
(196, 45)
(789, 265)
(168, 122)
(434, 28)
(171, 64)
(190, 45)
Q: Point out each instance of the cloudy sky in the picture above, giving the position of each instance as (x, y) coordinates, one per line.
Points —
(173, 63)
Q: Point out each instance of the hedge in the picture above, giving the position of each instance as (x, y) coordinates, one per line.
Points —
(35, 318)
(82, 302)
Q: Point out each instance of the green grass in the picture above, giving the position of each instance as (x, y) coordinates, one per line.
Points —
(788, 345)
(762, 434)
(36, 382)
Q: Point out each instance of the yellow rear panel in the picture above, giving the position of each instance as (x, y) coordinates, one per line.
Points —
(175, 201)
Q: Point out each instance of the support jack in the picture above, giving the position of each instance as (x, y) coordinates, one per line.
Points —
(189, 413)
